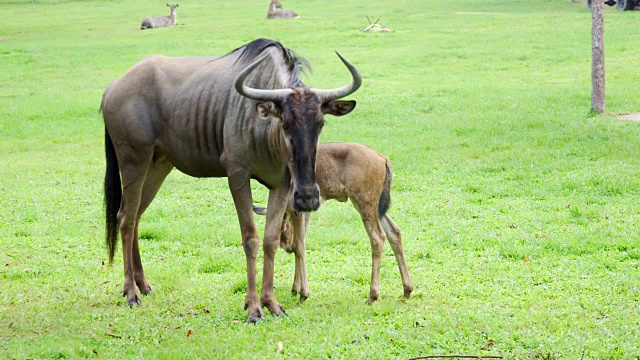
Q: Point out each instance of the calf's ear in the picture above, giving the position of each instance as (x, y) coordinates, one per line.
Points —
(338, 107)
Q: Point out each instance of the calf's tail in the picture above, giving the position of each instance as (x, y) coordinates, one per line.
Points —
(385, 197)
(112, 195)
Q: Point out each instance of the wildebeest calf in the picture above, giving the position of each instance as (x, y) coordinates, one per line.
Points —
(349, 171)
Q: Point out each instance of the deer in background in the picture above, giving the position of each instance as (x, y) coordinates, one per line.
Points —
(349, 171)
(160, 21)
(276, 11)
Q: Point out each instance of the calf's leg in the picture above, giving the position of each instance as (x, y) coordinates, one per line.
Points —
(376, 236)
(300, 223)
(395, 240)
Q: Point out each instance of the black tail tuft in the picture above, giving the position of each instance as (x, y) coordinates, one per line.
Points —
(259, 210)
(385, 197)
(112, 196)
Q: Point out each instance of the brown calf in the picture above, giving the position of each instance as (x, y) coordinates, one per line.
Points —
(349, 171)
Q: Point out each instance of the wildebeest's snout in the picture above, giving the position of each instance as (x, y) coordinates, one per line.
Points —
(306, 198)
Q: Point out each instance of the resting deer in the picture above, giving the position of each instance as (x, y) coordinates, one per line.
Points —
(349, 171)
(276, 11)
(160, 21)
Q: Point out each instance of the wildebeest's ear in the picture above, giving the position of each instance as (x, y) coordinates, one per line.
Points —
(338, 108)
(266, 108)
(167, 4)
(177, 5)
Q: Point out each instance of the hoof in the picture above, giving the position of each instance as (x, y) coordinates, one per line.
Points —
(254, 320)
(371, 300)
(283, 313)
(132, 301)
(373, 296)
(303, 298)
(143, 285)
(269, 301)
(276, 310)
(255, 315)
(146, 290)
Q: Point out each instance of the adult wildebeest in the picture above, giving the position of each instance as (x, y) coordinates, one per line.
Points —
(243, 115)
(349, 171)
(275, 11)
(160, 21)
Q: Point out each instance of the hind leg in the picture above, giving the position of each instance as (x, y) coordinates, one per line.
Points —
(376, 236)
(395, 240)
(134, 167)
(157, 172)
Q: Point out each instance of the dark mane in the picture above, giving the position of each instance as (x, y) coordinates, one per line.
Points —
(295, 64)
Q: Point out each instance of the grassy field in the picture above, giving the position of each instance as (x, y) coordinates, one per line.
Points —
(519, 210)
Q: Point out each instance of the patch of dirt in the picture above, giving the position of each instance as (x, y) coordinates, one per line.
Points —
(630, 117)
(4, 37)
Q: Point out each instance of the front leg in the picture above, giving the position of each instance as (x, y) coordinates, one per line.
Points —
(278, 200)
(239, 184)
(300, 222)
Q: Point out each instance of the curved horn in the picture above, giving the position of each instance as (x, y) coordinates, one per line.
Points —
(258, 94)
(333, 94)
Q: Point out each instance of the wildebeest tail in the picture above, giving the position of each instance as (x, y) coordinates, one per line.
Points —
(385, 197)
(112, 195)
(259, 210)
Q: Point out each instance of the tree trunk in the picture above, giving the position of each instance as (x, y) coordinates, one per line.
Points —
(597, 56)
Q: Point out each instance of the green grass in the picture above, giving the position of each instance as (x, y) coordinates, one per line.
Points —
(519, 209)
